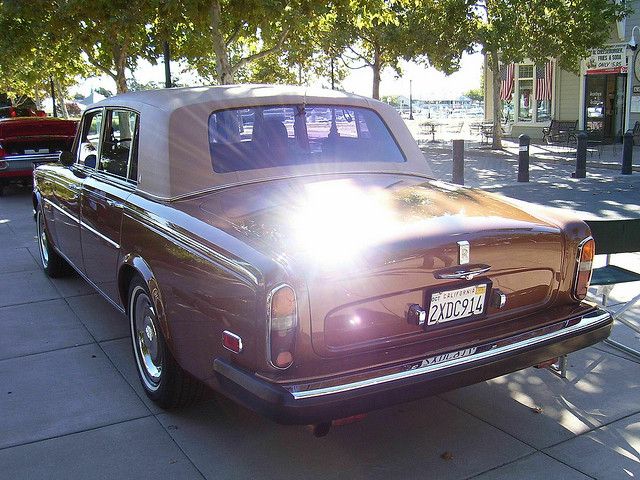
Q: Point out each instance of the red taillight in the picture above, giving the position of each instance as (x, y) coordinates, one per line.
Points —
(586, 252)
(283, 322)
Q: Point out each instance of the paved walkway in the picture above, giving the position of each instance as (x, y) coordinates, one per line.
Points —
(72, 406)
(604, 193)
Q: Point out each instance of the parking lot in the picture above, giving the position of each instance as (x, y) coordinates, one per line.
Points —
(73, 408)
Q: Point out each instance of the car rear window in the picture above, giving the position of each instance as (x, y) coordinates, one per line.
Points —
(273, 136)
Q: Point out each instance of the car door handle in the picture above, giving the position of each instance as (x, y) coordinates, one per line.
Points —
(114, 204)
(468, 273)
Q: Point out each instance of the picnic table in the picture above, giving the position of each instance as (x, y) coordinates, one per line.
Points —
(429, 128)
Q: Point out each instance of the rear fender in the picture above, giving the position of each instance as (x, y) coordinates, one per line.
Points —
(135, 265)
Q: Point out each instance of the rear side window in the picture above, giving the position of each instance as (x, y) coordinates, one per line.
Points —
(273, 136)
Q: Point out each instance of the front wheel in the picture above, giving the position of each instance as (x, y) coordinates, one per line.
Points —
(52, 263)
(163, 380)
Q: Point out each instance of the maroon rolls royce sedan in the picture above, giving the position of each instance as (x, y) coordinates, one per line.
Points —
(289, 248)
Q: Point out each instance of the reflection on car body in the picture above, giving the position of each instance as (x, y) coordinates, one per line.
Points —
(289, 248)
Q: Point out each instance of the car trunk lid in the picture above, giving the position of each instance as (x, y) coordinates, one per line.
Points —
(29, 136)
(374, 246)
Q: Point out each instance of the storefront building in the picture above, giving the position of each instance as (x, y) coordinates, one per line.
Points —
(604, 96)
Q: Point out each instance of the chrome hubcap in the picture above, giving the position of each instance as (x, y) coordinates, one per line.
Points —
(147, 341)
(42, 241)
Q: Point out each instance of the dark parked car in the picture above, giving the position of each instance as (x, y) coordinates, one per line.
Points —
(27, 138)
(289, 248)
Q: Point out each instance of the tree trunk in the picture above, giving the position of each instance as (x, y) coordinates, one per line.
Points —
(376, 73)
(120, 61)
(36, 99)
(121, 82)
(61, 104)
(223, 68)
(497, 104)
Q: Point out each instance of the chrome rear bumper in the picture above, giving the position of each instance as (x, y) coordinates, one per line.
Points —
(320, 401)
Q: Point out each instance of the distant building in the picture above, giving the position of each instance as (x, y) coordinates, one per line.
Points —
(604, 96)
(91, 99)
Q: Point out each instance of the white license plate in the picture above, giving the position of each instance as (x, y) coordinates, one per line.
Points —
(456, 304)
(31, 151)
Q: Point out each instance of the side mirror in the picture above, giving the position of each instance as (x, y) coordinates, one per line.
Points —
(67, 158)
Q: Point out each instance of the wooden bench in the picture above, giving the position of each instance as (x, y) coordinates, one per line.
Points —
(559, 132)
(613, 237)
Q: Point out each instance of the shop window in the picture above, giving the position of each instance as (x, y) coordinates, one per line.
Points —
(525, 93)
(529, 104)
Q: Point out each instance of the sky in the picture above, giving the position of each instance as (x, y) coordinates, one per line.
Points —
(422, 82)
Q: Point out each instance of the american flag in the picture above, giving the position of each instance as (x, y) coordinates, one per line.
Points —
(506, 82)
(543, 81)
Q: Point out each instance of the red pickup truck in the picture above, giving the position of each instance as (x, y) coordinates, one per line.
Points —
(28, 138)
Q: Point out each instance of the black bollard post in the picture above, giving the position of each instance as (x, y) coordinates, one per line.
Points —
(627, 153)
(458, 162)
(581, 156)
(523, 158)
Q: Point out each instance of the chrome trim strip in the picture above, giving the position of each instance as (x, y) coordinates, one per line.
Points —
(587, 321)
(163, 228)
(97, 289)
(100, 235)
(34, 157)
(83, 225)
(61, 210)
(464, 274)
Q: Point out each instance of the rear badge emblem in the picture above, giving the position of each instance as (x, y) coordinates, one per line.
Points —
(463, 252)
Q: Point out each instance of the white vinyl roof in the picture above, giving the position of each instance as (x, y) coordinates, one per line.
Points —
(173, 154)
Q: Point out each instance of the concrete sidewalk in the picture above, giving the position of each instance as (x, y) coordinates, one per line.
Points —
(604, 193)
(73, 408)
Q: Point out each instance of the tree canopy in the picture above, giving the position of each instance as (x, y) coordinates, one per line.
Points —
(378, 34)
(33, 53)
(293, 41)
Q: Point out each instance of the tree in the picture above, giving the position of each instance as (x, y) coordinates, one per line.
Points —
(220, 38)
(476, 94)
(375, 31)
(113, 34)
(510, 31)
(391, 100)
(34, 54)
(382, 32)
(103, 91)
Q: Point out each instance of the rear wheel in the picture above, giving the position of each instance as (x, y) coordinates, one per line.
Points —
(52, 263)
(163, 380)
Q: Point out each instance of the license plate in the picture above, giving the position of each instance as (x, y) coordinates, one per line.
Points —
(31, 151)
(457, 304)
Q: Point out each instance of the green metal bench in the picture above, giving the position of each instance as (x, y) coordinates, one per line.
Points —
(559, 132)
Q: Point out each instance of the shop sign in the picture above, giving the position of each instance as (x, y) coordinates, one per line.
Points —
(607, 59)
